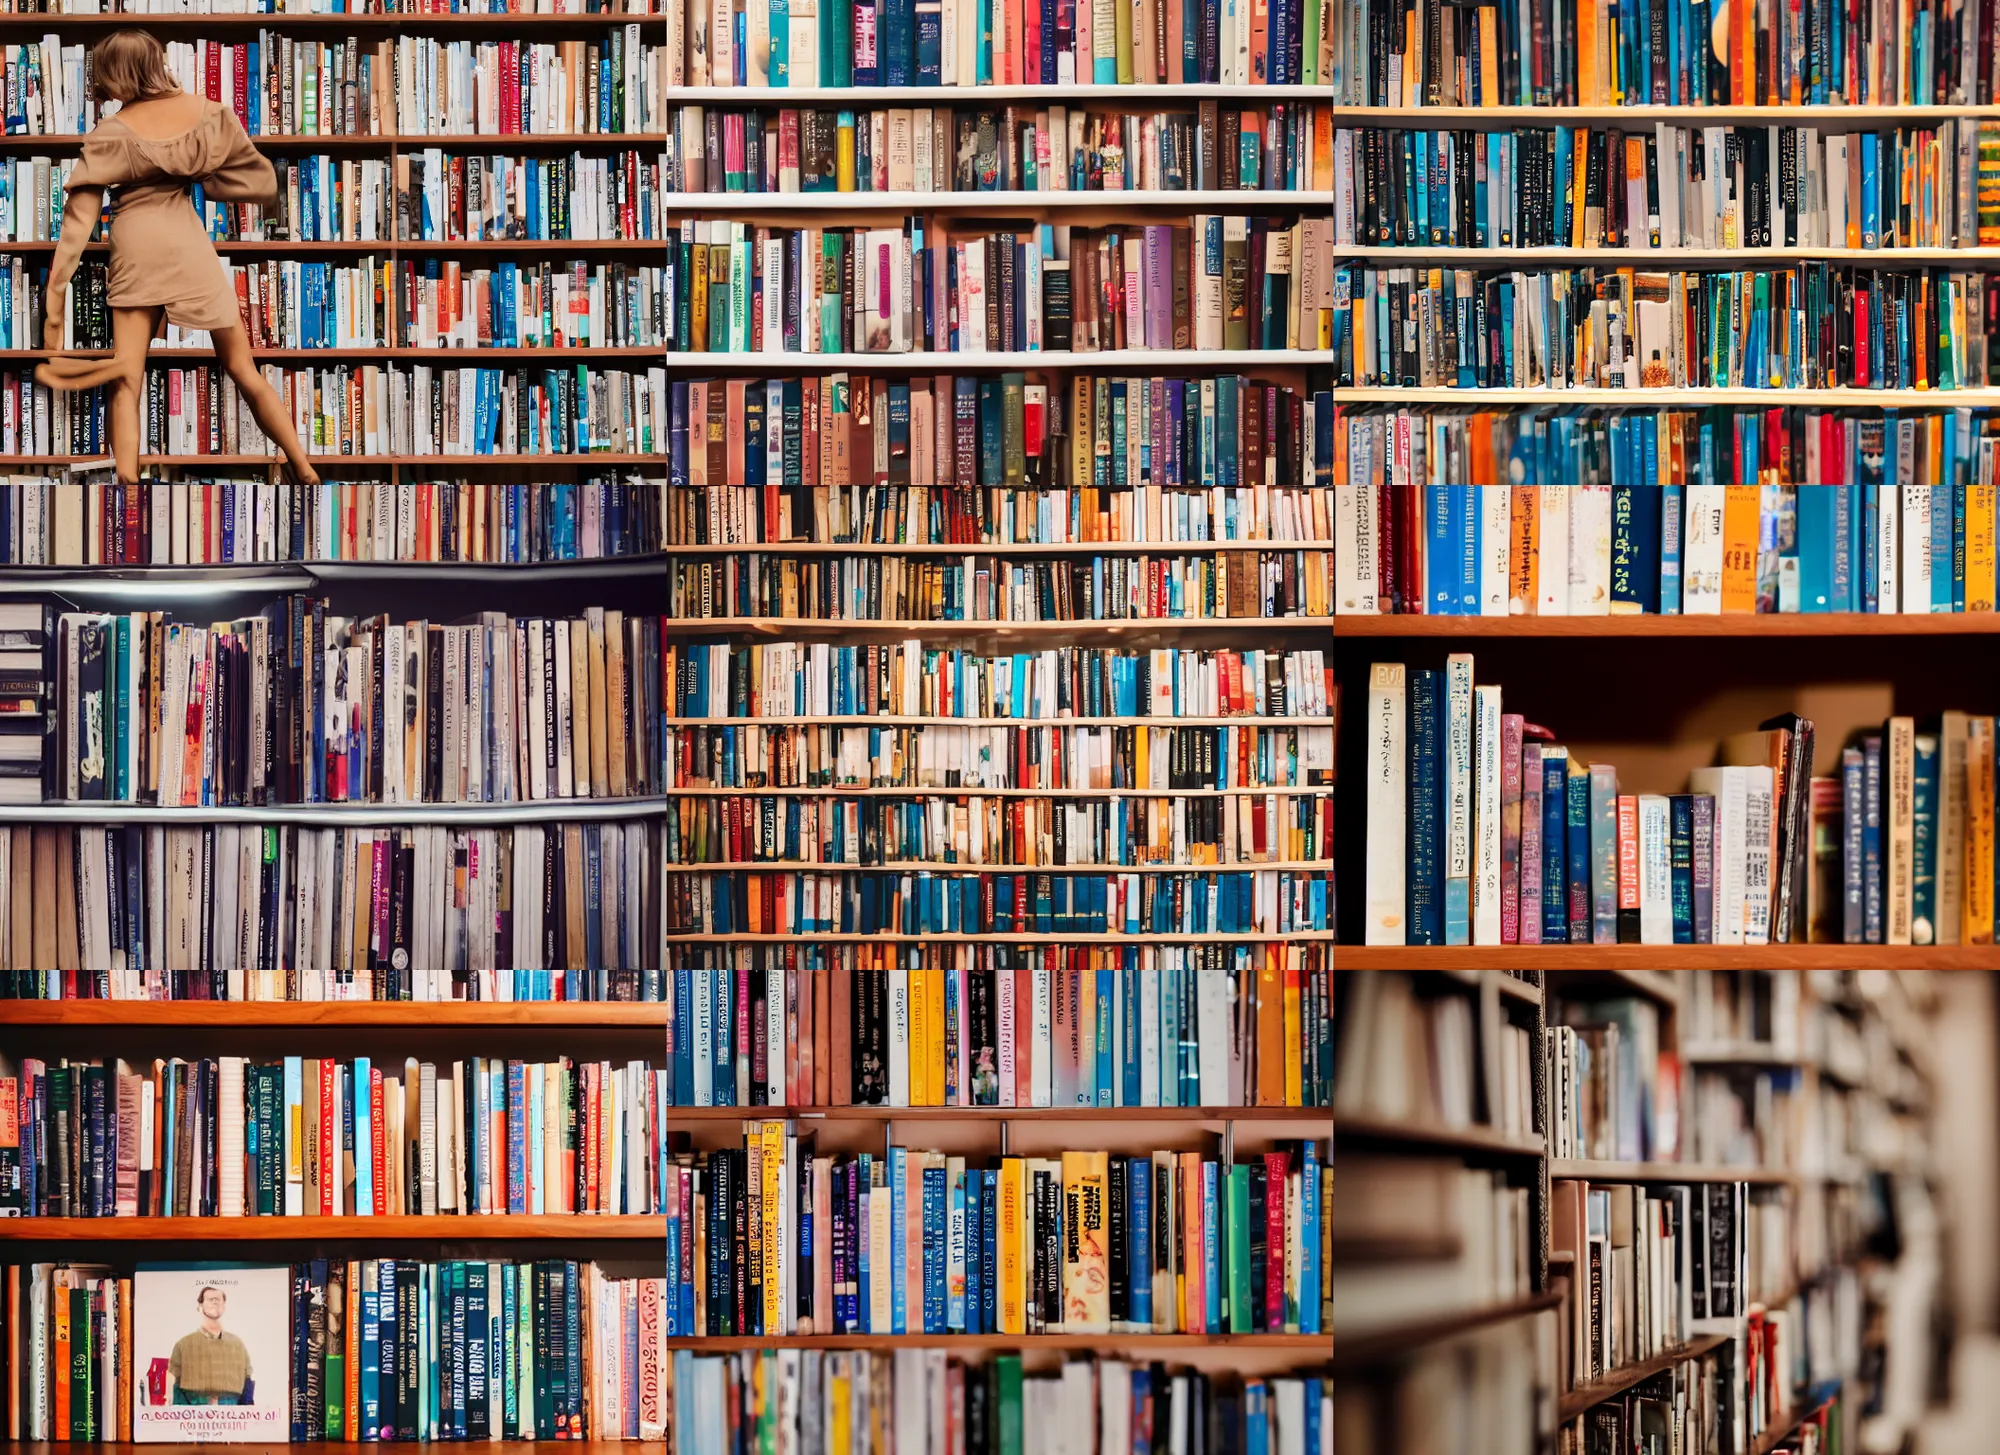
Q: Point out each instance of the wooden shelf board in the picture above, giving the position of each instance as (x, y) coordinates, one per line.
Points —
(685, 204)
(1382, 1132)
(1817, 1399)
(1828, 118)
(598, 1014)
(939, 866)
(1844, 624)
(1468, 257)
(783, 627)
(1560, 958)
(990, 548)
(1058, 937)
(372, 353)
(451, 141)
(962, 792)
(850, 96)
(709, 1344)
(1241, 1114)
(1582, 398)
(528, 246)
(333, 464)
(1590, 1169)
(411, 20)
(928, 361)
(1584, 1396)
(1741, 1053)
(1387, 1344)
(906, 720)
(487, 1227)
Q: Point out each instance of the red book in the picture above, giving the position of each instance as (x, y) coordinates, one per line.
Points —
(376, 1115)
(1277, 1168)
(1860, 339)
(329, 1177)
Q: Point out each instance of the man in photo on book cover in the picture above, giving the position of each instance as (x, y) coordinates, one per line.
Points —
(210, 1365)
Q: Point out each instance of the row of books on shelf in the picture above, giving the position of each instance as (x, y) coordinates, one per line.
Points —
(1214, 282)
(1057, 149)
(1285, 829)
(1777, 445)
(190, 411)
(929, 901)
(1716, 187)
(244, 520)
(297, 705)
(848, 956)
(1808, 326)
(230, 1137)
(968, 514)
(957, 758)
(772, 1238)
(977, 1037)
(291, 85)
(233, 912)
(1667, 53)
(1417, 1059)
(377, 303)
(906, 678)
(1894, 849)
(998, 431)
(1701, 551)
(47, 522)
(818, 1402)
(878, 587)
(364, 1350)
(862, 43)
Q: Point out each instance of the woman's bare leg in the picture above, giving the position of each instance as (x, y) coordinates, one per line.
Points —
(132, 331)
(232, 348)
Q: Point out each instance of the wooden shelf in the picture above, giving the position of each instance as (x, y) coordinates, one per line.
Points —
(1387, 1344)
(1584, 1396)
(1241, 1114)
(696, 941)
(990, 548)
(851, 791)
(1827, 118)
(333, 464)
(905, 720)
(683, 204)
(233, 1014)
(483, 1226)
(931, 360)
(373, 353)
(1841, 398)
(1635, 626)
(1741, 1053)
(1788, 1423)
(1149, 1343)
(1393, 255)
(173, 26)
(853, 96)
(695, 626)
(1591, 1169)
(351, 141)
(1381, 1132)
(941, 866)
(553, 247)
(1690, 957)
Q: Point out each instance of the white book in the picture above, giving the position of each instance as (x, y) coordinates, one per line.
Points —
(899, 1038)
(1458, 798)
(1552, 553)
(1388, 772)
(1758, 807)
(1701, 551)
(1486, 815)
(1043, 1031)
(704, 1038)
(1589, 550)
(1729, 788)
(1003, 1019)
(1494, 545)
(1656, 911)
(1149, 1039)
(1888, 554)
(1916, 582)
(1212, 1027)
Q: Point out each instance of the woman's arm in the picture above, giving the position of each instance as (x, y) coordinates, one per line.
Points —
(80, 214)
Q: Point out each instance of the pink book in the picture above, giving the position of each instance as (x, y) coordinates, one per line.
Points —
(1003, 1020)
(1530, 896)
(1510, 828)
(802, 1081)
(822, 1264)
(1276, 1182)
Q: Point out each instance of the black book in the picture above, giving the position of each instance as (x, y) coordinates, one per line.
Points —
(1116, 1250)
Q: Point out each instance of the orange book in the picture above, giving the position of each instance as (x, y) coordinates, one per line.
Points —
(1270, 1035)
(1739, 548)
(1589, 85)
(1192, 1296)
(1976, 911)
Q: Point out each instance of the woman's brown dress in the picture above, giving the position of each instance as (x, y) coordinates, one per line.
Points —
(160, 253)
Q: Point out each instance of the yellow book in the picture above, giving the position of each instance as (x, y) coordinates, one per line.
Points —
(839, 1402)
(1013, 1267)
(1739, 548)
(1294, 1080)
(1142, 745)
(1086, 1265)
(1489, 60)
(1980, 553)
(921, 1032)
(775, 1182)
(934, 1048)
(1976, 914)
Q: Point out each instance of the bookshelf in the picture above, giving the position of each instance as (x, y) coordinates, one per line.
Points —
(1841, 1155)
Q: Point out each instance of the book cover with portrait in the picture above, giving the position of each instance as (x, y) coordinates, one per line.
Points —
(211, 1345)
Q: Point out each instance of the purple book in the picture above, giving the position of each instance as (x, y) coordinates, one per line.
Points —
(1704, 869)
(1531, 842)
(1159, 288)
(1510, 828)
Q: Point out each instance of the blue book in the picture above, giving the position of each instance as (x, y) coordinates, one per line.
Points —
(934, 1251)
(1871, 190)
(1817, 546)
(1309, 1237)
(1555, 840)
(1425, 888)
(1576, 821)
(1139, 1240)
(1671, 504)
(1942, 559)
(1443, 515)
(1104, 1019)
(929, 21)
(1680, 859)
(899, 1251)
(1850, 845)
(1128, 1034)
(1842, 597)
(864, 1180)
(1635, 545)
(724, 1019)
(1871, 839)
(1948, 470)
(673, 1301)
(989, 1251)
(1466, 513)
(778, 71)
(1211, 1246)
(478, 1352)
(959, 1253)
(1870, 527)
(1923, 856)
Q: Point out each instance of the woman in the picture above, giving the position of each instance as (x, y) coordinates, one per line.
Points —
(160, 142)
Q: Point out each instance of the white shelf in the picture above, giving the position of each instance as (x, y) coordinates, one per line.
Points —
(340, 815)
(852, 97)
(1730, 259)
(681, 203)
(1680, 398)
(1830, 118)
(1150, 360)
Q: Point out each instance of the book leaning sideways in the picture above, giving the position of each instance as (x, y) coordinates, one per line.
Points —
(208, 1346)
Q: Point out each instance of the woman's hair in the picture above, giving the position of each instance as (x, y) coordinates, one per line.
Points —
(130, 65)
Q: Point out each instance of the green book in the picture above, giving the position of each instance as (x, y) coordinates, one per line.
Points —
(1238, 1225)
(1007, 1375)
(1014, 456)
